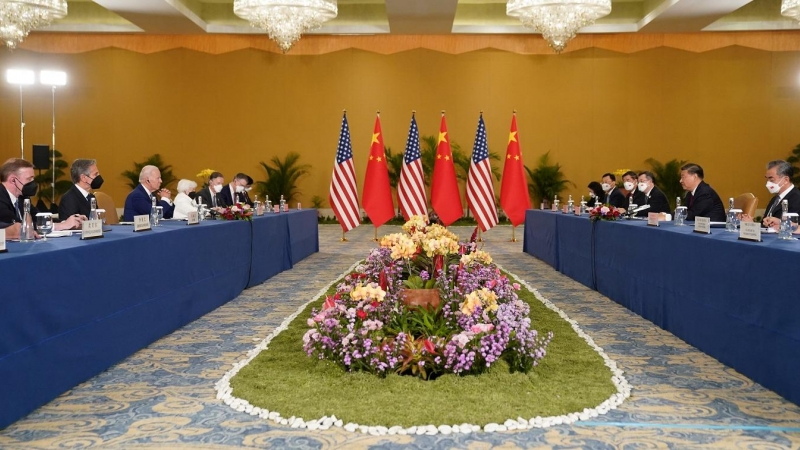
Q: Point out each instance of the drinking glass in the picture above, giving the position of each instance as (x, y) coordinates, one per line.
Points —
(680, 215)
(44, 223)
(101, 215)
(159, 215)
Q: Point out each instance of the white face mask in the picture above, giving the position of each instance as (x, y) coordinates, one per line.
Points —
(606, 187)
(773, 188)
(642, 187)
(239, 189)
(248, 189)
(629, 185)
(217, 188)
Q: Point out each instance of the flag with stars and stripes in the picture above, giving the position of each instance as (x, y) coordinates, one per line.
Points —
(480, 190)
(411, 187)
(343, 195)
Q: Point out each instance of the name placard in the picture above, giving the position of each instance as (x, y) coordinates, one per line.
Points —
(141, 223)
(702, 225)
(750, 231)
(577, 211)
(652, 219)
(91, 229)
(3, 240)
(192, 218)
(565, 209)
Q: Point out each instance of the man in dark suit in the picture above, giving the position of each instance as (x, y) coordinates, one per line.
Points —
(78, 199)
(701, 200)
(16, 176)
(779, 182)
(210, 193)
(139, 201)
(630, 183)
(234, 190)
(651, 195)
(613, 197)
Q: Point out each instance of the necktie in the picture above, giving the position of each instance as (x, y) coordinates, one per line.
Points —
(691, 200)
(213, 197)
(16, 210)
(769, 212)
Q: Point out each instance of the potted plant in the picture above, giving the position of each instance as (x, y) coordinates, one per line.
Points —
(547, 180)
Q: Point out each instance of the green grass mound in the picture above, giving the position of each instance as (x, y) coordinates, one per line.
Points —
(570, 378)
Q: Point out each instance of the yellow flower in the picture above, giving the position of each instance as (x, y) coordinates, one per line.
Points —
(205, 173)
(476, 256)
(369, 292)
(482, 297)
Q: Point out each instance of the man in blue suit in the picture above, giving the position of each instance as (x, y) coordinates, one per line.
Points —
(140, 200)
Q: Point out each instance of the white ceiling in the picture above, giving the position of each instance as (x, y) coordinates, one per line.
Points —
(420, 17)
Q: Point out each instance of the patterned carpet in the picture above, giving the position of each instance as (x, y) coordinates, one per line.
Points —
(163, 396)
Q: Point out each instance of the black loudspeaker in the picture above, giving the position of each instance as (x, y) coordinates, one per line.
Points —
(41, 157)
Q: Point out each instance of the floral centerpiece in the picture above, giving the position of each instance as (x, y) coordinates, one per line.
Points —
(238, 211)
(366, 325)
(603, 212)
(204, 175)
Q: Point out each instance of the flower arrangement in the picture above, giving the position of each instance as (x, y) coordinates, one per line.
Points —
(365, 325)
(603, 212)
(238, 211)
(204, 174)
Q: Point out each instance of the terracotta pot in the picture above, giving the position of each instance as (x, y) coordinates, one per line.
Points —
(426, 298)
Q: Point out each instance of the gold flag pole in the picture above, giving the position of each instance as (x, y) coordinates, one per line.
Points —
(513, 234)
(343, 239)
(480, 238)
(375, 239)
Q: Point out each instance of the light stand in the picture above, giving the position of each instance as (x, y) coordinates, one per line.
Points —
(21, 78)
(53, 78)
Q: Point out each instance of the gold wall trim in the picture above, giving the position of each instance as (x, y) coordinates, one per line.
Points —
(523, 44)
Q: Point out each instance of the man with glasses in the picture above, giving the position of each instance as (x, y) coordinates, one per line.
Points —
(78, 199)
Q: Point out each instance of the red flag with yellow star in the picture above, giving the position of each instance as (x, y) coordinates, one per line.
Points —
(514, 191)
(377, 196)
(445, 198)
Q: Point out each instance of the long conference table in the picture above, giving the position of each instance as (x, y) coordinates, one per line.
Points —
(738, 301)
(71, 308)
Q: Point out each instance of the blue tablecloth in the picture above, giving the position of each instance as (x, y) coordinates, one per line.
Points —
(735, 300)
(73, 308)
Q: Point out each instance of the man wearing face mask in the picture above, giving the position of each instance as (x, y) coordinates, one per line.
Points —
(16, 176)
(78, 199)
(210, 194)
(779, 182)
(630, 183)
(244, 197)
(234, 190)
(651, 195)
(613, 197)
(139, 201)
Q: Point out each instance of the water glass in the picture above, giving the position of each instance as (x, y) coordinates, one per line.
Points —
(159, 215)
(101, 215)
(680, 215)
(44, 224)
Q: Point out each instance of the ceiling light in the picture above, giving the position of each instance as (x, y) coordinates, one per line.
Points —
(558, 20)
(20, 17)
(791, 9)
(286, 20)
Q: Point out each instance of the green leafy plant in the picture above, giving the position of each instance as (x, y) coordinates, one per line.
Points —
(317, 202)
(793, 159)
(282, 177)
(547, 180)
(45, 180)
(667, 176)
(416, 282)
(167, 178)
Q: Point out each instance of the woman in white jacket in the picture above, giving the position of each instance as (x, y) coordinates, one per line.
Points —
(183, 203)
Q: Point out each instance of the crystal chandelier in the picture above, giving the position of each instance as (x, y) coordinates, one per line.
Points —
(558, 20)
(791, 9)
(285, 20)
(19, 17)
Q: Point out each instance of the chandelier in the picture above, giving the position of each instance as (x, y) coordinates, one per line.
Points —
(285, 20)
(20, 17)
(791, 9)
(558, 20)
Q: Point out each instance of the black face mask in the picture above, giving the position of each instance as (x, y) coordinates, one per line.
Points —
(97, 182)
(29, 189)
(192, 195)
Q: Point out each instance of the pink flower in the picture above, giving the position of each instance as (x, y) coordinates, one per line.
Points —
(330, 302)
(482, 328)
(429, 347)
(310, 322)
(604, 210)
(361, 314)
(516, 286)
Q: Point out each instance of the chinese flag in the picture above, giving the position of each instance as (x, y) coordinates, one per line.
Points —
(514, 191)
(445, 198)
(377, 197)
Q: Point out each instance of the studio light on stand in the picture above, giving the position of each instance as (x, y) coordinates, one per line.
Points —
(21, 78)
(53, 78)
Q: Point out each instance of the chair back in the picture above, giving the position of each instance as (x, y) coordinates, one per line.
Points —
(104, 201)
(747, 203)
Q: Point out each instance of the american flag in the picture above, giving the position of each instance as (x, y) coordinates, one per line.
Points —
(480, 190)
(411, 188)
(343, 194)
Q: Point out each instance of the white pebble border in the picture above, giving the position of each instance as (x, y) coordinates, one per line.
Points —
(224, 391)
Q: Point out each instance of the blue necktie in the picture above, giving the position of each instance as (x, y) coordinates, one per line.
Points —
(16, 210)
